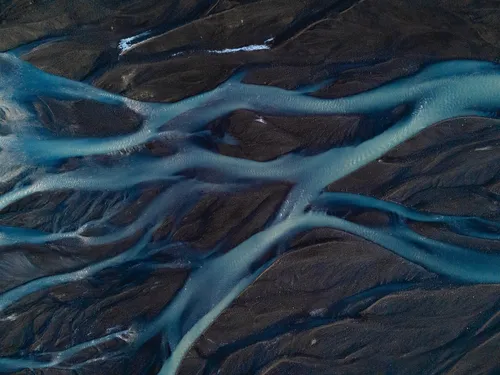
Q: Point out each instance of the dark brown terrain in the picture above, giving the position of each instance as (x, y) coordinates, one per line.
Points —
(334, 303)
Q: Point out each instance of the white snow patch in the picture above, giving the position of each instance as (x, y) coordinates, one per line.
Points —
(127, 43)
(9, 318)
(253, 47)
(317, 312)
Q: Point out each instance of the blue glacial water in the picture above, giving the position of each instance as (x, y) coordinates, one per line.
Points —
(436, 93)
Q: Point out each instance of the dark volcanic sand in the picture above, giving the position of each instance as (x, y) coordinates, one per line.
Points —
(335, 303)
